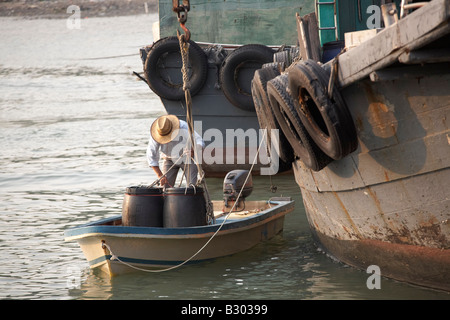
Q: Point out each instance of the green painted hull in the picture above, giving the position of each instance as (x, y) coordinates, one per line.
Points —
(266, 22)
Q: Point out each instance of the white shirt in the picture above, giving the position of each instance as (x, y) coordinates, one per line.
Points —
(172, 149)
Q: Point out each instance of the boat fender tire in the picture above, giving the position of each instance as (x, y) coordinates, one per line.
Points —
(259, 91)
(283, 56)
(233, 80)
(280, 66)
(294, 53)
(292, 127)
(165, 52)
(337, 98)
(264, 110)
(326, 119)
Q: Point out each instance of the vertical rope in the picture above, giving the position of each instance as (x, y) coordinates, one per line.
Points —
(115, 257)
(184, 50)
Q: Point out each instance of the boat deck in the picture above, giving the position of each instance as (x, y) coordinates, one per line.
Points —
(117, 249)
(245, 209)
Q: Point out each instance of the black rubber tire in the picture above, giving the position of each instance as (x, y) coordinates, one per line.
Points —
(292, 127)
(280, 66)
(154, 69)
(283, 56)
(337, 99)
(259, 91)
(237, 91)
(327, 121)
(264, 111)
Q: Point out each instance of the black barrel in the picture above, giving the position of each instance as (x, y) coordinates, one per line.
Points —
(184, 207)
(143, 207)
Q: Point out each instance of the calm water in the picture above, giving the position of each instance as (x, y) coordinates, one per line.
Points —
(74, 127)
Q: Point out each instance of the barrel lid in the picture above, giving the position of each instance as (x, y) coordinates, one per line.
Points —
(143, 190)
(183, 190)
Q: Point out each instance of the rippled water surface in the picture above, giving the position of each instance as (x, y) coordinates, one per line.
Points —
(74, 125)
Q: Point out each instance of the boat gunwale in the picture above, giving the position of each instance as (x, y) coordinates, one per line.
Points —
(98, 228)
(397, 44)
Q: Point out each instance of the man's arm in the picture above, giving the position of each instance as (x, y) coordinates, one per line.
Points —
(159, 174)
(153, 159)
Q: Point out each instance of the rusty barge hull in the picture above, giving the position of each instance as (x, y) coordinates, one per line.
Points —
(388, 203)
(372, 226)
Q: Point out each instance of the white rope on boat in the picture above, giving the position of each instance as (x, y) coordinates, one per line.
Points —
(184, 50)
(173, 165)
(115, 257)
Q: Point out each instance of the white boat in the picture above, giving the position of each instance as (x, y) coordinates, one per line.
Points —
(117, 249)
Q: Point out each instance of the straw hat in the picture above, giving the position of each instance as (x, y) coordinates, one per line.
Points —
(163, 127)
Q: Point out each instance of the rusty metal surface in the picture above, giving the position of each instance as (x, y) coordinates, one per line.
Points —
(424, 266)
(408, 211)
(403, 130)
(390, 199)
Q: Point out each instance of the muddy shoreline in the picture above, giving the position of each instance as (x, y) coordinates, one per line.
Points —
(57, 9)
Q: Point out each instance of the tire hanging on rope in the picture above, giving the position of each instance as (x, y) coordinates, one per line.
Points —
(326, 118)
(238, 69)
(184, 47)
(162, 68)
(259, 93)
(292, 127)
(264, 111)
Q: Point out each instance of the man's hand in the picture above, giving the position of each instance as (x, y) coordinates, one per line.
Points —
(163, 181)
(159, 174)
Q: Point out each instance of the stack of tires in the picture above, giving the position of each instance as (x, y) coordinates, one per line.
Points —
(292, 95)
(235, 69)
(287, 93)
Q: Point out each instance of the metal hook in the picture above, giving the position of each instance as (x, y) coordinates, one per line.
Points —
(182, 11)
(187, 33)
(176, 7)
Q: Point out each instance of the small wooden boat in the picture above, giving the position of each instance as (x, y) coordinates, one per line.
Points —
(117, 249)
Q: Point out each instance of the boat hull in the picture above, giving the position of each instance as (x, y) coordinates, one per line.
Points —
(387, 204)
(418, 265)
(160, 248)
(388, 226)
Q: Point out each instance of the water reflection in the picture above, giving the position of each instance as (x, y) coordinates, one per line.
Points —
(289, 266)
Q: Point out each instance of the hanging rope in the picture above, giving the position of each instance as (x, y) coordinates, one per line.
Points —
(184, 50)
